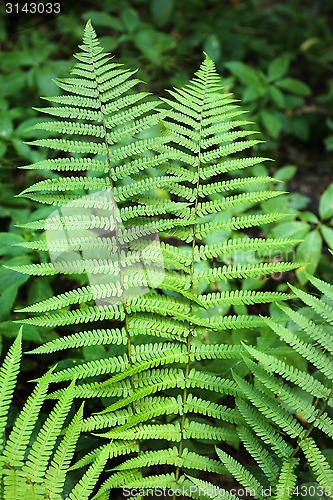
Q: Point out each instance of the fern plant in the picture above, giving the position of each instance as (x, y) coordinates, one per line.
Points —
(288, 411)
(36, 464)
(168, 358)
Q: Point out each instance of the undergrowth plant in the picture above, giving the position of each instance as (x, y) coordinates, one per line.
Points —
(147, 193)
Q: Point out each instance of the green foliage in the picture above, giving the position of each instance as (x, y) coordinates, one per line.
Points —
(35, 460)
(292, 407)
(200, 138)
(162, 368)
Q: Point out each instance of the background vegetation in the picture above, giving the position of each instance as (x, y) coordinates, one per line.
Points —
(275, 56)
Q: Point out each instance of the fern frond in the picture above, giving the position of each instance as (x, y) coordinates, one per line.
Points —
(287, 480)
(8, 376)
(114, 449)
(312, 329)
(298, 377)
(317, 461)
(145, 410)
(308, 351)
(209, 490)
(235, 223)
(171, 432)
(198, 430)
(274, 412)
(242, 245)
(264, 429)
(324, 310)
(81, 339)
(187, 459)
(242, 271)
(243, 476)
(19, 437)
(84, 487)
(40, 453)
(262, 456)
(203, 407)
(241, 297)
(56, 473)
(309, 412)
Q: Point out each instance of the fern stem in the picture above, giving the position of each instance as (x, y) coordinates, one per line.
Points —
(192, 327)
(121, 279)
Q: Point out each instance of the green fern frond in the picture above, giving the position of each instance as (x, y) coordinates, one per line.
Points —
(262, 456)
(274, 412)
(56, 473)
(40, 453)
(264, 429)
(308, 351)
(209, 490)
(324, 310)
(287, 480)
(170, 184)
(81, 339)
(171, 432)
(321, 285)
(242, 271)
(299, 377)
(19, 437)
(309, 412)
(242, 245)
(235, 223)
(313, 330)
(318, 462)
(114, 449)
(243, 476)
(8, 376)
(84, 487)
(145, 410)
(170, 456)
(235, 297)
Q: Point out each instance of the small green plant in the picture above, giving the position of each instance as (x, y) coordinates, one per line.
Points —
(273, 98)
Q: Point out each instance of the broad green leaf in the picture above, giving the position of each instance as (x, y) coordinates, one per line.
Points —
(277, 97)
(309, 217)
(161, 11)
(327, 233)
(7, 300)
(7, 240)
(328, 141)
(130, 18)
(295, 86)
(30, 333)
(244, 73)
(9, 277)
(152, 44)
(278, 67)
(293, 229)
(309, 252)
(6, 127)
(102, 19)
(285, 173)
(326, 203)
(271, 121)
(212, 47)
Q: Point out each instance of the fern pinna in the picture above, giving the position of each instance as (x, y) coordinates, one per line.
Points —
(170, 376)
